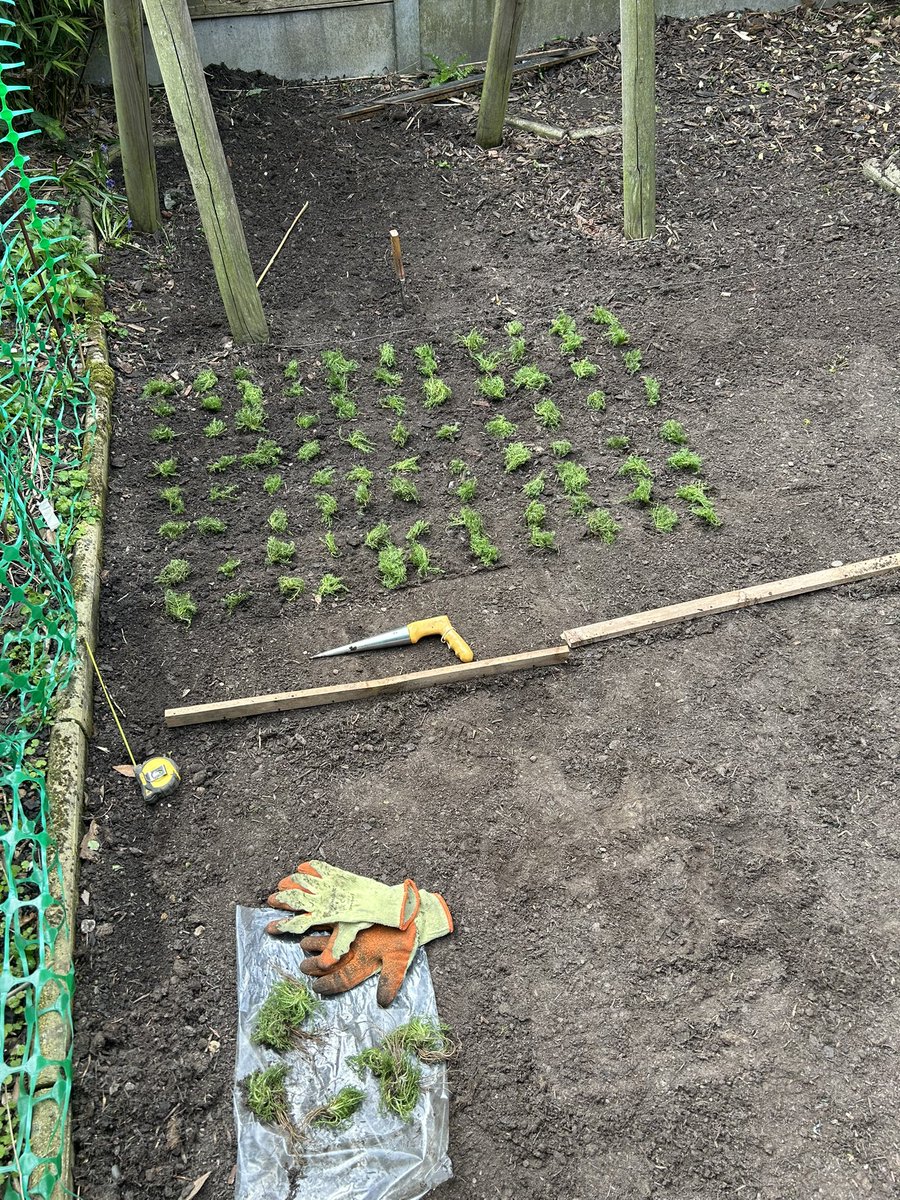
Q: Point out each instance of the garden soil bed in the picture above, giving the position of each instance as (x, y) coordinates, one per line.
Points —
(672, 861)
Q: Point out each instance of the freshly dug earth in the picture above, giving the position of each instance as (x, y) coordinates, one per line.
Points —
(672, 862)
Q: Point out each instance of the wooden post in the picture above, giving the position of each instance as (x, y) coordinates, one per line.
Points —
(498, 74)
(125, 35)
(170, 28)
(638, 34)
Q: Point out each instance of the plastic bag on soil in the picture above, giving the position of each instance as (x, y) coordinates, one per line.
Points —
(377, 1156)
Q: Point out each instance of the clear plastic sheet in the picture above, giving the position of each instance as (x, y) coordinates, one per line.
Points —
(378, 1156)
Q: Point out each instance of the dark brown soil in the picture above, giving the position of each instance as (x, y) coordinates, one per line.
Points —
(672, 862)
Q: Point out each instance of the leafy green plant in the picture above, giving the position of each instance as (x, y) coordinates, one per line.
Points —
(535, 487)
(328, 541)
(600, 524)
(573, 477)
(547, 414)
(617, 442)
(214, 429)
(357, 440)
(328, 507)
(162, 433)
(337, 1111)
(229, 567)
(179, 606)
(211, 403)
(458, 467)
(562, 325)
(685, 460)
(467, 489)
(266, 454)
(404, 489)
(395, 404)
(479, 543)
(399, 435)
(173, 497)
(616, 335)
(535, 513)
(514, 328)
(583, 368)
(338, 370)
(426, 360)
(222, 463)
(391, 379)
(435, 392)
(596, 400)
(359, 474)
(517, 455)
(344, 407)
(418, 530)
(394, 1062)
(632, 361)
(265, 1093)
(392, 566)
(378, 536)
(279, 552)
(240, 375)
(233, 600)
(166, 469)
(271, 484)
(330, 585)
(561, 449)
(500, 427)
(516, 350)
(664, 518)
(292, 370)
(310, 450)
(673, 431)
(322, 478)
(251, 416)
(291, 587)
(387, 355)
(306, 420)
(175, 571)
(406, 466)
(209, 526)
(651, 387)
(205, 381)
(642, 492)
(473, 341)
(163, 408)
(420, 560)
(635, 467)
(278, 521)
(445, 72)
(492, 386)
(530, 378)
(701, 505)
(219, 494)
(541, 539)
(296, 391)
(159, 387)
(171, 531)
(448, 433)
(571, 343)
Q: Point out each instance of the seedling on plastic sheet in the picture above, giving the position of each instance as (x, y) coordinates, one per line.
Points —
(173, 497)
(179, 606)
(393, 1062)
(233, 600)
(288, 1006)
(265, 1093)
(166, 469)
(209, 526)
(291, 587)
(278, 551)
(175, 571)
(337, 1112)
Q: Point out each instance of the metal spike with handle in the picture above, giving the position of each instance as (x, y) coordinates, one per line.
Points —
(408, 635)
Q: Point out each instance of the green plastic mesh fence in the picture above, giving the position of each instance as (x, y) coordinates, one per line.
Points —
(45, 401)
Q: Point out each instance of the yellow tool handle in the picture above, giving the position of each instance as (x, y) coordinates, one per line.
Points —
(441, 627)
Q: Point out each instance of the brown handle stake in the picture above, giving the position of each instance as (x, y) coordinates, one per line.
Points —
(397, 256)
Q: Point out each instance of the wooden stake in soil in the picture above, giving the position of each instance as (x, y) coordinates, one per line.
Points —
(638, 33)
(124, 33)
(498, 76)
(762, 593)
(170, 28)
(399, 269)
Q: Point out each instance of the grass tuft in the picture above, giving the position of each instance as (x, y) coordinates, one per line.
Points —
(279, 552)
(600, 524)
(328, 507)
(175, 571)
(337, 1111)
(500, 427)
(330, 585)
(685, 460)
(596, 400)
(271, 484)
(322, 478)
(673, 431)
(291, 587)
(233, 600)
(635, 467)
(288, 1006)
(179, 606)
(517, 455)
(205, 381)
(173, 497)
(211, 404)
(561, 449)
(171, 531)
(210, 525)
(651, 389)
(664, 518)
(278, 520)
(530, 378)
(392, 566)
(404, 489)
(166, 469)
(229, 567)
(448, 433)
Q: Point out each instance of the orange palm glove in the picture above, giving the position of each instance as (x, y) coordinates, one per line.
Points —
(377, 948)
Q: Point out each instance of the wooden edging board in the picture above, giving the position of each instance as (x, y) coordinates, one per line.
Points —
(230, 710)
(763, 593)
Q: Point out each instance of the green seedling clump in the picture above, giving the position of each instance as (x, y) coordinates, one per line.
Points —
(673, 431)
(535, 487)
(266, 454)
(517, 455)
(406, 466)
(535, 513)
(391, 379)
(328, 507)
(344, 407)
(426, 360)
(337, 1112)
(387, 355)
(394, 1063)
(473, 341)
(296, 391)
(651, 388)
(685, 460)
(292, 370)
(357, 440)
(541, 539)
(562, 325)
(417, 530)
(209, 525)
(328, 541)
(516, 349)
(436, 392)
(457, 467)
(596, 400)
(636, 467)
(171, 531)
(291, 587)
(448, 433)
(420, 560)
(632, 361)
(362, 496)
(514, 328)
(251, 416)
(664, 518)
(306, 420)
(616, 335)
(278, 521)
(229, 567)
(322, 478)
(500, 427)
(378, 536)
(214, 429)
(399, 435)
(205, 382)
(547, 414)
(240, 375)
(173, 497)
(487, 364)
(179, 606)
(163, 409)
(467, 489)
(642, 492)
(561, 449)
(338, 370)
(175, 571)
(163, 433)
(271, 484)
(159, 387)
(574, 478)
(278, 552)
(211, 404)
(492, 386)
(395, 404)
(166, 469)
(583, 368)
(222, 464)
(233, 600)
(310, 450)
(265, 1092)
(479, 543)
(701, 505)
(330, 585)
(571, 343)
(288, 1006)
(600, 524)
(530, 378)
(404, 489)
(392, 566)
(359, 474)
(219, 494)
(617, 442)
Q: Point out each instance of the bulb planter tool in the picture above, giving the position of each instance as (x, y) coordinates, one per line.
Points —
(408, 635)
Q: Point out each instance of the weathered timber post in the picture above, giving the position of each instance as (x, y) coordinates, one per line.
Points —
(170, 28)
(124, 32)
(638, 34)
(498, 74)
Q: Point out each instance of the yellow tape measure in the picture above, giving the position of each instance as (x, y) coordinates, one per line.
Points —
(157, 776)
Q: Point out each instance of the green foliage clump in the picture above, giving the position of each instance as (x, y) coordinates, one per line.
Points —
(229, 567)
(596, 400)
(162, 433)
(685, 460)
(500, 427)
(337, 1111)
(222, 463)
(516, 349)
(220, 495)
(562, 324)
(417, 530)
(271, 484)
(166, 469)
(163, 408)
(171, 531)
(600, 524)
(310, 450)
(517, 455)
(530, 378)
(642, 492)
(330, 544)
(387, 355)
(636, 467)
(617, 442)
(651, 388)
(535, 487)
(458, 467)
(179, 606)
(574, 478)
(322, 478)
(344, 407)
(233, 600)
(391, 379)
(338, 370)
(240, 375)
(330, 585)
(448, 433)
(616, 334)
(306, 420)
(420, 560)
(673, 431)
(492, 386)
(392, 566)
(561, 449)
(487, 364)
(399, 435)
(328, 507)
(406, 466)
(278, 521)
(251, 416)
(291, 587)
(435, 391)
(479, 543)
(266, 454)
(288, 1006)
(394, 404)
(467, 489)
(278, 551)
(404, 489)
(701, 505)
(664, 518)
(378, 536)
(394, 1062)
(632, 361)
(571, 343)
(583, 368)
(426, 360)
(175, 571)
(214, 429)
(473, 341)
(205, 381)
(514, 328)
(547, 414)
(292, 370)
(359, 441)
(173, 497)
(209, 525)
(165, 388)
(211, 403)
(265, 1092)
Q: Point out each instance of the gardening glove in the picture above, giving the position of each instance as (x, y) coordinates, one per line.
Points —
(377, 948)
(324, 895)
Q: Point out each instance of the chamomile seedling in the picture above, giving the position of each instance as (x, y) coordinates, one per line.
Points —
(378, 536)
(322, 478)
(685, 460)
(271, 484)
(583, 368)
(173, 497)
(516, 456)
(209, 526)
(632, 361)
(229, 568)
(561, 449)
(233, 600)
(175, 572)
(426, 360)
(222, 464)
(306, 420)
(172, 531)
(219, 494)
(651, 388)
(547, 414)
(166, 469)
(162, 433)
(664, 518)
(291, 587)
(600, 524)
(596, 400)
(448, 433)
(278, 520)
(392, 566)
(211, 404)
(500, 427)
(395, 404)
(535, 487)
(205, 381)
(309, 450)
(530, 378)
(673, 432)
(328, 507)
(492, 386)
(266, 454)
(179, 606)
(330, 585)
(214, 429)
(159, 387)
(399, 435)
(279, 552)
(404, 489)
(435, 392)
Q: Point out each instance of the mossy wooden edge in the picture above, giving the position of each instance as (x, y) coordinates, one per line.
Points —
(51, 1129)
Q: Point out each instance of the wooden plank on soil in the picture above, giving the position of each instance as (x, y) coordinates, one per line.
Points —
(470, 84)
(231, 710)
(763, 593)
